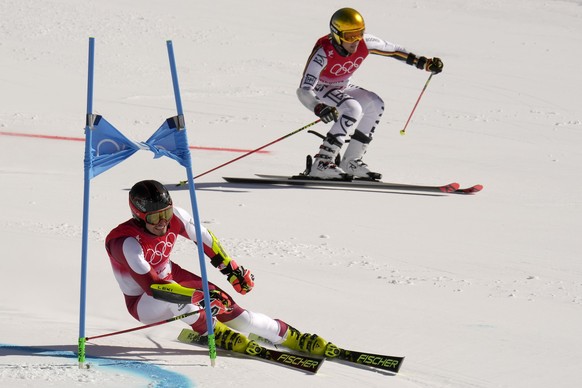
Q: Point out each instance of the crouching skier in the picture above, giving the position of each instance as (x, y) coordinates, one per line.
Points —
(139, 250)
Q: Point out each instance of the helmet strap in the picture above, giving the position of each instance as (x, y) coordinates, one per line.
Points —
(339, 48)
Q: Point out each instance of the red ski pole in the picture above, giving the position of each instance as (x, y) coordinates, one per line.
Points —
(403, 131)
(144, 326)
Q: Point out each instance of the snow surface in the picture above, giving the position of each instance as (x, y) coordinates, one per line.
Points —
(476, 291)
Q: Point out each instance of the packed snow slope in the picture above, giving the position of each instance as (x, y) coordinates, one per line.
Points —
(476, 291)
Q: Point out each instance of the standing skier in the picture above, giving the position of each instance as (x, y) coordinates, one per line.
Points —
(156, 288)
(326, 90)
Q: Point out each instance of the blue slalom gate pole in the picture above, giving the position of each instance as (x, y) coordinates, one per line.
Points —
(87, 189)
(197, 224)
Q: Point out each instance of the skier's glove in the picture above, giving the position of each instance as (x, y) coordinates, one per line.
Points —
(220, 303)
(326, 113)
(434, 65)
(242, 279)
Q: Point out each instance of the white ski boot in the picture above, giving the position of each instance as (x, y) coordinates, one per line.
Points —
(353, 164)
(323, 166)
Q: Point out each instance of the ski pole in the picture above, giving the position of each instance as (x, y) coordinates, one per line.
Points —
(256, 150)
(403, 131)
(144, 326)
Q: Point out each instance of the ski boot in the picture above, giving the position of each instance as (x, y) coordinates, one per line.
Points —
(323, 166)
(304, 342)
(352, 162)
(229, 339)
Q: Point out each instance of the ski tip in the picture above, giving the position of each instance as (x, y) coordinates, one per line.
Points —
(188, 336)
(471, 190)
(476, 188)
(400, 364)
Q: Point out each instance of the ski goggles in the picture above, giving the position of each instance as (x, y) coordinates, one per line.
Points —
(352, 36)
(153, 218)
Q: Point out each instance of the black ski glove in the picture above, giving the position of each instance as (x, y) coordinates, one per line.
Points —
(434, 65)
(326, 113)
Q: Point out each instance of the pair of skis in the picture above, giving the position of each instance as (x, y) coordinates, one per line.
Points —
(305, 180)
(306, 363)
(348, 181)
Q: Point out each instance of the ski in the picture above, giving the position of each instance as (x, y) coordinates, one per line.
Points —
(384, 362)
(469, 190)
(295, 361)
(302, 180)
(353, 357)
(397, 186)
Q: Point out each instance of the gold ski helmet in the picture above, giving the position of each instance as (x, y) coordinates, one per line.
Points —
(347, 25)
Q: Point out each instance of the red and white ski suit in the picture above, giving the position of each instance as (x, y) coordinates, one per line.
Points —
(140, 259)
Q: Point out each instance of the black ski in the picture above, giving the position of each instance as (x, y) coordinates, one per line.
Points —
(397, 186)
(384, 362)
(353, 357)
(295, 361)
(303, 180)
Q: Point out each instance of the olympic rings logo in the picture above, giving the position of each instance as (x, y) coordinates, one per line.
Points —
(348, 67)
(161, 251)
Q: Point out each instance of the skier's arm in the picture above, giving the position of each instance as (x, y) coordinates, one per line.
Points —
(240, 278)
(307, 98)
(378, 46)
(315, 64)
